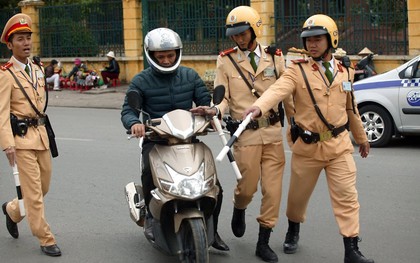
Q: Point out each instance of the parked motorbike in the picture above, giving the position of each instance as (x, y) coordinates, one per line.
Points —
(184, 173)
(364, 68)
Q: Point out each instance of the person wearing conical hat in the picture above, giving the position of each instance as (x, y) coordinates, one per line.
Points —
(364, 52)
(112, 71)
(25, 142)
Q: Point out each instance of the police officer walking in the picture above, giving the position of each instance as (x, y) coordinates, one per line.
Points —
(325, 107)
(246, 71)
(26, 143)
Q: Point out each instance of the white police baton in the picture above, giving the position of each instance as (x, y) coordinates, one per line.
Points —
(18, 190)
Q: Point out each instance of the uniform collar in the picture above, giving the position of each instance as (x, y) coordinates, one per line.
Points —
(257, 51)
(332, 64)
(20, 64)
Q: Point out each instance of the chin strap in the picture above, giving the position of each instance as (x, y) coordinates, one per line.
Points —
(323, 55)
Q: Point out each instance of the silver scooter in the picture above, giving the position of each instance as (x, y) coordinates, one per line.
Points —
(184, 173)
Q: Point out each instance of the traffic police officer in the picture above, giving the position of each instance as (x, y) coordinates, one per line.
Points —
(30, 148)
(324, 106)
(259, 150)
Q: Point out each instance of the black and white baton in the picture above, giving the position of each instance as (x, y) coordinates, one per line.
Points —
(218, 95)
(241, 128)
(229, 153)
(19, 192)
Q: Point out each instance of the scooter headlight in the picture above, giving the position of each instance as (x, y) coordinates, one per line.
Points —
(191, 186)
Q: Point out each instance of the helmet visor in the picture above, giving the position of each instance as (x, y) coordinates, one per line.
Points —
(313, 31)
(236, 29)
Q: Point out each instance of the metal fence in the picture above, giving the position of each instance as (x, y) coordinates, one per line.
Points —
(86, 30)
(90, 30)
(5, 14)
(200, 24)
(380, 25)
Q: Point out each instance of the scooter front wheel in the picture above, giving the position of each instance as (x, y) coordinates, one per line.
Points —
(194, 241)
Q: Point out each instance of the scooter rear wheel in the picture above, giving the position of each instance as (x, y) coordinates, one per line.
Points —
(194, 241)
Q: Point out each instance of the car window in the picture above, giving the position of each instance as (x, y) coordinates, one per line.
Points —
(412, 71)
(416, 70)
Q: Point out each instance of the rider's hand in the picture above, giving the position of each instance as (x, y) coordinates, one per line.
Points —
(204, 111)
(256, 112)
(138, 130)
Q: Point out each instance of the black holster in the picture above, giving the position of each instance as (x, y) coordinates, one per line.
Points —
(19, 127)
(281, 113)
(51, 137)
(231, 125)
(294, 129)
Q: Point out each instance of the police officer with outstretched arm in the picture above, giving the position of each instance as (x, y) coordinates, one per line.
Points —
(325, 109)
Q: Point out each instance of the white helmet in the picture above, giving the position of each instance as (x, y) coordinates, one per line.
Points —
(162, 39)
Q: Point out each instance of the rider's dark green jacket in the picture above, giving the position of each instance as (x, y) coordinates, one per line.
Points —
(162, 93)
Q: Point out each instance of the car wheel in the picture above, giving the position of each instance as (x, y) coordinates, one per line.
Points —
(377, 124)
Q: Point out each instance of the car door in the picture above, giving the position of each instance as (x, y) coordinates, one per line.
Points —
(409, 97)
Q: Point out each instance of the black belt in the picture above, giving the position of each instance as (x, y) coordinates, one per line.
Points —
(263, 122)
(232, 125)
(35, 122)
(313, 137)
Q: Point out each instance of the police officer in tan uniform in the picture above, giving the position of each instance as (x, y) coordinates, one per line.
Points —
(259, 150)
(29, 149)
(322, 141)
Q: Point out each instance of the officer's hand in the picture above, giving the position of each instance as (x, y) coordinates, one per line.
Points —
(204, 111)
(11, 155)
(364, 149)
(256, 112)
(138, 130)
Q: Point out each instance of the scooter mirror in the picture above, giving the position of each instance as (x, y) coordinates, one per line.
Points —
(218, 94)
(365, 61)
(134, 100)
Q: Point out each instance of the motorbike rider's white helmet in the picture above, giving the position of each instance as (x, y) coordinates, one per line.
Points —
(162, 39)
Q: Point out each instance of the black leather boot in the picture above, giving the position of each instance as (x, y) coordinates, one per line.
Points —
(238, 222)
(263, 249)
(352, 253)
(218, 242)
(290, 244)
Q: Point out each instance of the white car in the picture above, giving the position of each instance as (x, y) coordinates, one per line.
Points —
(389, 103)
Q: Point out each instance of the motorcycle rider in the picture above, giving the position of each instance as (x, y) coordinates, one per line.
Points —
(165, 86)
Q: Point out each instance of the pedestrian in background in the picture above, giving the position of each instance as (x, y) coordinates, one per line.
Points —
(52, 76)
(112, 71)
(324, 108)
(25, 144)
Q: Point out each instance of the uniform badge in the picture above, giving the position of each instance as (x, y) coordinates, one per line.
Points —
(22, 21)
(347, 86)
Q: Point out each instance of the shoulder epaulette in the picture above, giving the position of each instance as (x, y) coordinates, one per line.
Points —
(276, 52)
(301, 60)
(7, 65)
(228, 51)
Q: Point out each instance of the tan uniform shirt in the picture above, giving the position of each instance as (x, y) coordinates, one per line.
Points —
(12, 100)
(238, 96)
(334, 102)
